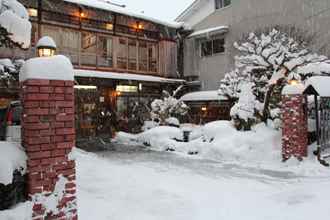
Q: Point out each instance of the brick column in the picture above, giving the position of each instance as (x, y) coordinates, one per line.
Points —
(48, 135)
(295, 126)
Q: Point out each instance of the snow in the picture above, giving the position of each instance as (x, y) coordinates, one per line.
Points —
(160, 186)
(293, 89)
(14, 18)
(245, 107)
(124, 76)
(209, 31)
(109, 7)
(172, 121)
(50, 202)
(12, 157)
(46, 41)
(321, 84)
(203, 96)
(52, 68)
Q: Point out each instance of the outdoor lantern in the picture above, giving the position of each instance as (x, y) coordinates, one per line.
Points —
(204, 109)
(294, 79)
(46, 47)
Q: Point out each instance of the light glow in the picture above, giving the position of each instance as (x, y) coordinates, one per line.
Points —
(33, 12)
(46, 52)
(85, 87)
(204, 109)
(126, 88)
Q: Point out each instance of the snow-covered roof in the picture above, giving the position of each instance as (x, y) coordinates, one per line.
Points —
(209, 31)
(124, 76)
(101, 4)
(203, 96)
(321, 84)
(46, 41)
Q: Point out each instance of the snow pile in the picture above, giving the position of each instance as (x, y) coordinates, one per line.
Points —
(293, 89)
(160, 138)
(15, 19)
(57, 68)
(50, 202)
(172, 121)
(12, 157)
(220, 141)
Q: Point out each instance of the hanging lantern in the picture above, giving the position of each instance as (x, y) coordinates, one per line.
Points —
(46, 47)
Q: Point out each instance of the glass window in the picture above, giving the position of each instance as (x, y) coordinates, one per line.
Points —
(211, 47)
(122, 54)
(143, 56)
(218, 46)
(88, 49)
(132, 55)
(153, 57)
(222, 3)
(206, 48)
(105, 52)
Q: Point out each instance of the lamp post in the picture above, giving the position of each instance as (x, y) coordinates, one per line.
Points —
(46, 47)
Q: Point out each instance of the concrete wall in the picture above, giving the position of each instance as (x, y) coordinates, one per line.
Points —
(244, 16)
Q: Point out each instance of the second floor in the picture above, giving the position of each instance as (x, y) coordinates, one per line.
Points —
(103, 37)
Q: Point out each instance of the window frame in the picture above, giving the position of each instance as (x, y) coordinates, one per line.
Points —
(220, 4)
(212, 40)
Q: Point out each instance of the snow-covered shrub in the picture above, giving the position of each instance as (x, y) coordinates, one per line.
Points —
(267, 60)
(15, 28)
(230, 85)
(167, 107)
(172, 121)
(243, 112)
(9, 71)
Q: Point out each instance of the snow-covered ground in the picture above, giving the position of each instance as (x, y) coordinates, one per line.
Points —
(220, 141)
(148, 185)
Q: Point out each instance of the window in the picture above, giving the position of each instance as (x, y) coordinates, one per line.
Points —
(218, 46)
(222, 3)
(105, 52)
(122, 54)
(88, 49)
(132, 55)
(143, 56)
(213, 46)
(152, 57)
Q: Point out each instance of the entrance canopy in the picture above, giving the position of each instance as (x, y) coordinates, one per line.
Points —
(124, 76)
(318, 85)
(203, 96)
(209, 32)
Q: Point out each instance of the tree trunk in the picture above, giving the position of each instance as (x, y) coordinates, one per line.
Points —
(265, 112)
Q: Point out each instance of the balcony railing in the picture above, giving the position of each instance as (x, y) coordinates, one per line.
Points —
(97, 24)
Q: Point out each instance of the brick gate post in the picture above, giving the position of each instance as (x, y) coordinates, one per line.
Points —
(295, 123)
(48, 135)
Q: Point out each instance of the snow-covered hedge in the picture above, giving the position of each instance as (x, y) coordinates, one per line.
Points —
(12, 157)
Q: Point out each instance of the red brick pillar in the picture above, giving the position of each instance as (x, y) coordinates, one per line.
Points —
(295, 126)
(48, 135)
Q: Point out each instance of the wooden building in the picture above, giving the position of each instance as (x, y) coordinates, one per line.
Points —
(120, 57)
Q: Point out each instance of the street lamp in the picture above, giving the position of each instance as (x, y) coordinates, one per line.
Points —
(46, 47)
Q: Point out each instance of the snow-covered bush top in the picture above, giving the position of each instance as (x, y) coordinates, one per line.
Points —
(167, 107)
(15, 19)
(12, 157)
